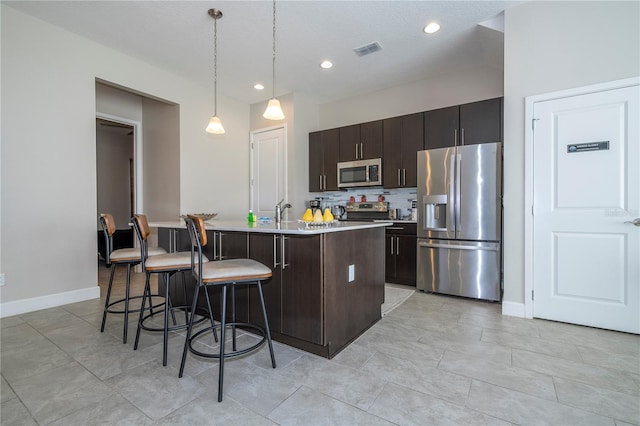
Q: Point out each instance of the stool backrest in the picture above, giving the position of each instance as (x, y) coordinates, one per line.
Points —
(141, 226)
(198, 235)
(108, 228)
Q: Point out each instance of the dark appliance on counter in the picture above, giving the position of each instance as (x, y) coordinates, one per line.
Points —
(368, 211)
(352, 174)
(460, 221)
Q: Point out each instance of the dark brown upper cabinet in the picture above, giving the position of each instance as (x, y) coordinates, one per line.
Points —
(402, 138)
(361, 141)
(467, 124)
(324, 147)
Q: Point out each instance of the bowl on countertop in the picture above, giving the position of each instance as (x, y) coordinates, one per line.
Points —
(204, 216)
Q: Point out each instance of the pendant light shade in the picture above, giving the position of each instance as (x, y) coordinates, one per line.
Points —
(215, 125)
(274, 110)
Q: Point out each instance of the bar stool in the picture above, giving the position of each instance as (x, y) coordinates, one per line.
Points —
(126, 256)
(166, 264)
(225, 274)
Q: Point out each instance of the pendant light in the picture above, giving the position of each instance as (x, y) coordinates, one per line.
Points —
(274, 110)
(215, 125)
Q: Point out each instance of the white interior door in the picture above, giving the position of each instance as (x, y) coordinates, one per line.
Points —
(586, 253)
(268, 170)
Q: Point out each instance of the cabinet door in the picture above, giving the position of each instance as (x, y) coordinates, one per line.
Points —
(405, 254)
(441, 127)
(316, 158)
(371, 140)
(481, 122)
(232, 245)
(302, 288)
(265, 248)
(331, 151)
(350, 143)
(392, 152)
(412, 142)
(390, 258)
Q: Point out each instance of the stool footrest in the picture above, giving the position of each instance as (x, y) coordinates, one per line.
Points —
(255, 327)
(109, 309)
(174, 327)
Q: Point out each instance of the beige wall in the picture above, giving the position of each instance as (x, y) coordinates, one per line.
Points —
(431, 93)
(551, 46)
(49, 206)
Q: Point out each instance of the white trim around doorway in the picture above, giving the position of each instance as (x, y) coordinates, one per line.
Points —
(528, 171)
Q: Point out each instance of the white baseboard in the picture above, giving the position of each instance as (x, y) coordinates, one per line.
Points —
(513, 309)
(49, 301)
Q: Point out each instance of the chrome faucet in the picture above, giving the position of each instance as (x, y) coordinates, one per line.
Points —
(279, 209)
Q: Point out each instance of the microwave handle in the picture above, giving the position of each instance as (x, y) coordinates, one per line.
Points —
(366, 177)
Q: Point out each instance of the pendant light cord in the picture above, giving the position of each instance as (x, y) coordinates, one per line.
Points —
(215, 67)
(274, 49)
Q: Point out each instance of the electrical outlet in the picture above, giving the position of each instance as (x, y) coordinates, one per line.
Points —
(352, 273)
(1, 280)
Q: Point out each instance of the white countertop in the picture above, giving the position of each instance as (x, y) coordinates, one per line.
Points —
(286, 227)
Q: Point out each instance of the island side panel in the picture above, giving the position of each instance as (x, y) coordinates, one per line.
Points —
(352, 307)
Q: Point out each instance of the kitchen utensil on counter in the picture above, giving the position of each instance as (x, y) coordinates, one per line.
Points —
(338, 211)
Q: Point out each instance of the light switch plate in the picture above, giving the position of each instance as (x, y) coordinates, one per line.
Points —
(1, 280)
(352, 273)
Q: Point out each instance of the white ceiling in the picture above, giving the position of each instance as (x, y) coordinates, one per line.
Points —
(178, 36)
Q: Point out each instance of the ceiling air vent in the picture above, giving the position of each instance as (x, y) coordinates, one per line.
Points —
(368, 49)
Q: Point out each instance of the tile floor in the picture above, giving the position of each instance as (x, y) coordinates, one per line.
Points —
(432, 360)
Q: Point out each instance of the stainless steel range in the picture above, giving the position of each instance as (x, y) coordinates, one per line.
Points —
(367, 211)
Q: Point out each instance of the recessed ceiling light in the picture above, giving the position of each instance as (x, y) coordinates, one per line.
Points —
(258, 86)
(431, 28)
(326, 64)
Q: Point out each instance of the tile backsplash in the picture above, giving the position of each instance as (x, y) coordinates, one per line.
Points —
(398, 198)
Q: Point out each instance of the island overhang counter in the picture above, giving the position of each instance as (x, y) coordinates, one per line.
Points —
(328, 281)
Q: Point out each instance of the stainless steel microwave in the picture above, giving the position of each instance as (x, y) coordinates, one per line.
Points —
(360, 173)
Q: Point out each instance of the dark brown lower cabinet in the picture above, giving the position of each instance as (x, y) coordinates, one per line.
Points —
(293, 295)
(401, 251)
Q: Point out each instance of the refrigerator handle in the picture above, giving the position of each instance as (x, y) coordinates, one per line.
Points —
(451, 220)
(457, 247)
(458, 197)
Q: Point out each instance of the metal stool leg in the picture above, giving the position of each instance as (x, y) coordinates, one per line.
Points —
(189, 329)
(106, 303)
(147, 292)
(213, 323)
(126, 304)
(233, 316)
(166, 320)
(222, 337)
(266, 325)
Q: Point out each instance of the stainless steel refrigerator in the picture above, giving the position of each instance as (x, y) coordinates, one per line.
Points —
(460, 221)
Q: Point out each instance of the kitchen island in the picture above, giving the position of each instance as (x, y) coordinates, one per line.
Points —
(327, 284)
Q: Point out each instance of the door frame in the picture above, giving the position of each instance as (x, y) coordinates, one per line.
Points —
(529, 179)
(137, 156)
(253, 133)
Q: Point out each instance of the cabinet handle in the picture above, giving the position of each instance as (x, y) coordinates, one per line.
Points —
(398, 177)
(220, 245)
(392, 245)
(397, 246)
(275, 252)
(320, 182)
(361, 152)
(404, 177)
(462, 136)
(455, 137)
(284, 264)
(356, 151)
(324, 186)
